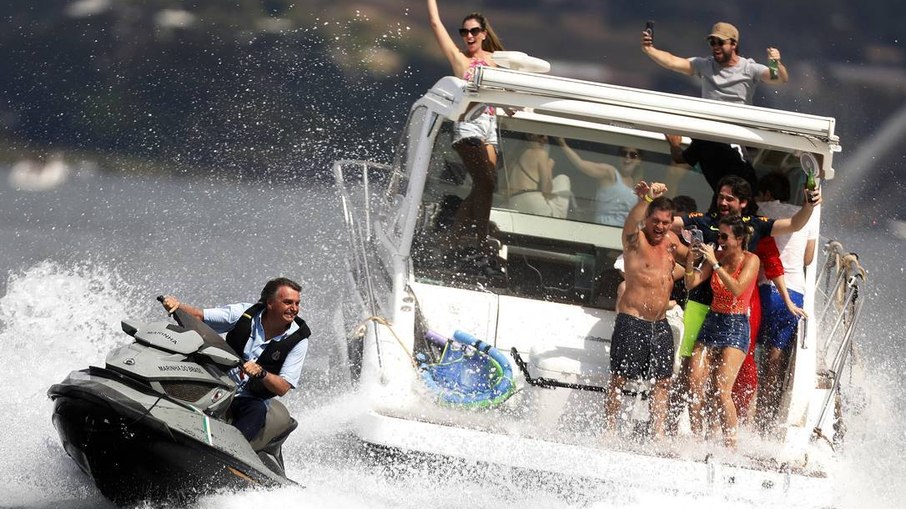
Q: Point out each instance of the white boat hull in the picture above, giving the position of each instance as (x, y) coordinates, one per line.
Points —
(554, 301)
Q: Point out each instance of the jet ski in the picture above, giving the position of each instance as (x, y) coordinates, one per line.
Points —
(153, 423)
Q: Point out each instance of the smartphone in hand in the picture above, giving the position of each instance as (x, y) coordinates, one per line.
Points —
(649, 27)
(697, 238)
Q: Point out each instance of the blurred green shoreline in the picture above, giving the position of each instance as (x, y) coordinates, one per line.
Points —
(280, 89)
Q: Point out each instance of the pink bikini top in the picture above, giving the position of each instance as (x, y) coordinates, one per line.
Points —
(473, 64)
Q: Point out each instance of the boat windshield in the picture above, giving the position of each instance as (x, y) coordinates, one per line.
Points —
(562, 195)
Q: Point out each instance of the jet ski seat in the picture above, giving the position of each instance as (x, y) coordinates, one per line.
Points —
(277, 426)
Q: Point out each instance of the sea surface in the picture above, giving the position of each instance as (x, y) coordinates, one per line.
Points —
(77, 259)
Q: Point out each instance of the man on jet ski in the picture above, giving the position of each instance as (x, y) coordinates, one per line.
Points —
(271, 340)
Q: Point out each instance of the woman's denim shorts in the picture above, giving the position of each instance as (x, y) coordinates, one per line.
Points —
(720, 330)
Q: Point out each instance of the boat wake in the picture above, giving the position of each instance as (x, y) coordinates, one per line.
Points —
(54, 319)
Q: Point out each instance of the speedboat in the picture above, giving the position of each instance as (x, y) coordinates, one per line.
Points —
(152, 424)
(549, 305)
(30, 175)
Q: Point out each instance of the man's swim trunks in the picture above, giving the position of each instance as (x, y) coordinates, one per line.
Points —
(640, 349)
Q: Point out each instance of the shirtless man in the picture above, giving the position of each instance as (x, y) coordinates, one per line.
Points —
(642, 341)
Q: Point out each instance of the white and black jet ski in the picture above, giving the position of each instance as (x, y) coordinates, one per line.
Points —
(152, 423)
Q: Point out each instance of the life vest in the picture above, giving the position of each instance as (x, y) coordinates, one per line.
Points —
(274, 353)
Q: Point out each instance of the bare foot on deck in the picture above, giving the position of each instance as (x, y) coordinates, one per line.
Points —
(609, 435)
(730, 442)
(665, 448)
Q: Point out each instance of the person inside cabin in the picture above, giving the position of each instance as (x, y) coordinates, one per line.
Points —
(642, 341)
(685, 204)
(725, 75)
(272, 342)
(475, 137)
(615, 196)
(531, 186)
(714, 160)
(724, 336)
(780, 319)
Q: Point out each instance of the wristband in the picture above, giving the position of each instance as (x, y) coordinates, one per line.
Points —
(690, 272)
(715, 266)
(649, 199)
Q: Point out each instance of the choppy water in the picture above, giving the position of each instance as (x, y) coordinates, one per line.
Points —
(78, 259)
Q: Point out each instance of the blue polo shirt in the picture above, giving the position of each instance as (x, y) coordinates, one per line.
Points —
(707, 223)
(223, 319)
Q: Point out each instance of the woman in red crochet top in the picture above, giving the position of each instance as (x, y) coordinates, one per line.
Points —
(724, 337)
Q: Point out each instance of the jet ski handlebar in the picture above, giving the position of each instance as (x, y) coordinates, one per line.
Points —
(210, 337)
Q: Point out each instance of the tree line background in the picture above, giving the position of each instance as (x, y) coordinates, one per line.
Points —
(279, 88)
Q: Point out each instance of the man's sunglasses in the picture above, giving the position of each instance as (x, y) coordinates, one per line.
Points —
(630, 154)
(717, 41)
(474, 31)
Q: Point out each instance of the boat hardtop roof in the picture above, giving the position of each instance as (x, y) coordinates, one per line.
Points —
(590, 105)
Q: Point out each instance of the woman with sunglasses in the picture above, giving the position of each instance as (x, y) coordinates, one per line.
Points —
(724, 336)
(475, 140)
(615, 196)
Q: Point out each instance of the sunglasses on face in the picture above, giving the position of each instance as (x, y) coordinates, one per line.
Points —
(630, 154)
(723, 236)
(716, 41)
(474, 31)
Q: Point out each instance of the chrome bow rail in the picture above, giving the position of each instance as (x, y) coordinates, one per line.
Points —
(840, 285)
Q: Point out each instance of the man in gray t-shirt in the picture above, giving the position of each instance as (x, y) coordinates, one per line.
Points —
(725, 75)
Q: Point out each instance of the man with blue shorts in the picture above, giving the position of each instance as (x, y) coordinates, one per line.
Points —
(780, 319)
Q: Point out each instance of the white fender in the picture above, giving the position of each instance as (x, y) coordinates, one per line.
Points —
(519, 61)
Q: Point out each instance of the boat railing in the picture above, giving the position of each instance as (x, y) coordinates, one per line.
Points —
(357, 171)
(839, 290)
(351, 174)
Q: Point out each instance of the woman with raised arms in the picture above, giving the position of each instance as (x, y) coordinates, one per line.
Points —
(475, 139)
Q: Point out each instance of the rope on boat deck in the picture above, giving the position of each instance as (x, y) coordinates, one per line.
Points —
(817, 433)
(360, 332)
(849, 265)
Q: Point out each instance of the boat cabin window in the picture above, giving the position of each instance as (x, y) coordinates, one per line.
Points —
(560, 234)
(405, 156)
(406, 159)
(562, 195)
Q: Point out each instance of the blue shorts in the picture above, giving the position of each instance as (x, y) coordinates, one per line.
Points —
(778, 325)
(641, 350)
(721, 330)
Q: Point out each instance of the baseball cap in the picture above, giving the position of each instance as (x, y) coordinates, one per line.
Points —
(724, 30)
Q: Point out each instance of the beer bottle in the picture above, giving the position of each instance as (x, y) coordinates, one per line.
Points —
(810, 183)
(772, 65)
